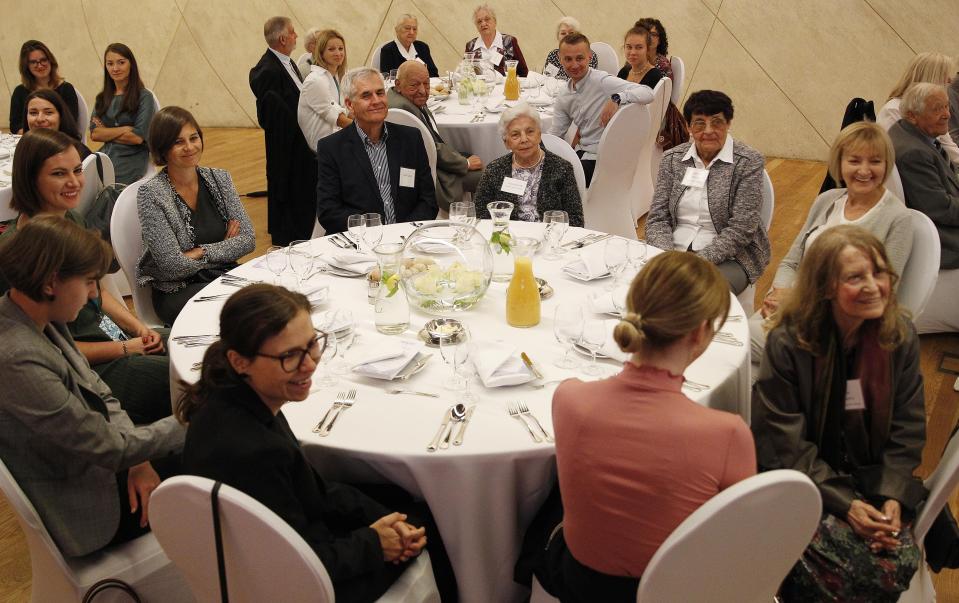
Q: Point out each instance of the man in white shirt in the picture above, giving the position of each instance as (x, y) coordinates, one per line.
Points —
(587, 92)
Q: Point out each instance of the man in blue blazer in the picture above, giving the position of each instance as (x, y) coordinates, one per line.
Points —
(371, 166)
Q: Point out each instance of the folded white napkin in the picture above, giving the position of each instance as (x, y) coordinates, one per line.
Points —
(602, 303)
(332, 321)
(356, 261)
(315, 292)
(554, 86)
(590, 265)
(456, 109)
(500, 365)
(385, 357)
(533, 79)
(495, 105)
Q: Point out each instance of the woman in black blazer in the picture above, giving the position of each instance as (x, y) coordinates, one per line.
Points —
(237, 434)
(406, 47)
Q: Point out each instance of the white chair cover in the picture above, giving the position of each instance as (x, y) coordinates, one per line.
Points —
(739, 545)
(679, 78)
(555, 144)
(140, 563)
(127, 242)
(766, 210)
(83, 119)
(606, 58)
(609, 195)
(375, 57)
(6, 212)
(650, 154)
(918, 279)
(265, 559)
(92, 182)
(405, 118)
(894, 184)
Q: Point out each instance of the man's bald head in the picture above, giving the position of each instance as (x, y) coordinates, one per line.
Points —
(408, 68)
(413, 82)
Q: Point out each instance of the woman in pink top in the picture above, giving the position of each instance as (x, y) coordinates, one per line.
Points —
(635, 456)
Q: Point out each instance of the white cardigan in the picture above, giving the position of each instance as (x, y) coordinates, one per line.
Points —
(320, 105)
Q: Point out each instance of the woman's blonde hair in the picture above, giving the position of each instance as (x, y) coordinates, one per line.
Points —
(669, 298)
(861, 135)
(927, 67)
(322, 39)
(808, 307)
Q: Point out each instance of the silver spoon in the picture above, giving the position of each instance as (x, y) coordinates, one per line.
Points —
(458, 413)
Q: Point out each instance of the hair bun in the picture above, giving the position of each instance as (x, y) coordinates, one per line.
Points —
(634, 319)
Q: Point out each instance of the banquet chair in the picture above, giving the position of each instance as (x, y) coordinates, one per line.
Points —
(650, 153)
(92, 182)
(941, 485)
(921, 271)
(127, 240)
(405, 118)
(894, 184)
(679, 77)
(606, 58)
(556, 145)
(6, 212)
(264, 559)
(375, 57)
(83, 119)
(748, 296)
(141, 563)
(608, 198)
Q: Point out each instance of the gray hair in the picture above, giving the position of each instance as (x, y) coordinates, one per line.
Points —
(274, 28)
(522, 109)
(354, 75)
(402, 18)
(485, 7)
(310, 38)
(914, 100)
(568, 21)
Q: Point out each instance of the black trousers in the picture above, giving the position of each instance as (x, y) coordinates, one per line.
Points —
(129, 527)
(589, 166)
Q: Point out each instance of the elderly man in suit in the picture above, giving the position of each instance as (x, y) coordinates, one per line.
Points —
(456, 172)
(931, 186)
(290, 168)
(372, 166)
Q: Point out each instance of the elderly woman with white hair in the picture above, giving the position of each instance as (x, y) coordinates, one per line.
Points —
(305, 61)
(406, 47)
(549, 179)
(553, 67)
(492, 46)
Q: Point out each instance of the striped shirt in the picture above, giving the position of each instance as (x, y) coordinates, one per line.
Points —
(381, 171)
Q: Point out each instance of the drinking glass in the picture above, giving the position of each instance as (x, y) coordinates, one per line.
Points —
(455, 352)
(373, 231)
(594, 336)
(276, 261)
(463, 212)
(323, 377)
(568, 329)
(345, 336)
(300, 260)
(616, 255)
(637, 253)
(356, 226)
(556, 221)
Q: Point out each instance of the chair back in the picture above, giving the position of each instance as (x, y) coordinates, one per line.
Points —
(921, 271)
(679, 78)
(606, 58)
(92, 183)
(405, 118)
(894, 184)
(739, 545)
(6, 212)
(556, 145)
(375, 57)
(127, 238)
(768, 207)
(156, 101)
(941, 483)
(650, 154)
(83, 119)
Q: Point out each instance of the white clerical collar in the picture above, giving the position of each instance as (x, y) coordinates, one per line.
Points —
(725, 154)
(410, 54)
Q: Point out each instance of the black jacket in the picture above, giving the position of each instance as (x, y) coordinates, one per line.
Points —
(390, 57)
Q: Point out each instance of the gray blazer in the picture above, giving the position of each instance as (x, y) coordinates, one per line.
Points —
(930, 186)
(168, 232)
(734, 194)
(64, 436)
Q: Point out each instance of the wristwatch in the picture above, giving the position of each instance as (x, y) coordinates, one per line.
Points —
(616, 98)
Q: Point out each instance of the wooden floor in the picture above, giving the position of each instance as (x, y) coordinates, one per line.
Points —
(796, 184)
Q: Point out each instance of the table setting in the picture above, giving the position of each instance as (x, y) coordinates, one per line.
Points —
(8, 143)
(455, 406)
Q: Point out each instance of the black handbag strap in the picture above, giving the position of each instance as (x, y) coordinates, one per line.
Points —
(99, 168)
(218, 538)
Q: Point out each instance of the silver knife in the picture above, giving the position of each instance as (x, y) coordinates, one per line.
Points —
(415, 366)
(439, 433)
(462, 431)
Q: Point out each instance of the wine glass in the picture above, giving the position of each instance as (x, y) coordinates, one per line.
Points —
(616, 255)
(556, 221)
(346, 335)
(455, 351)
(276, 261)
(594, 336)
(300, 260)
(637, 253)
(356, 226)
(323, 377)
(463, 212)
(373, 231)
(568, 329)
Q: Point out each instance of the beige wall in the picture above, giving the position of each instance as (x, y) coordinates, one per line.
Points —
(789, 66)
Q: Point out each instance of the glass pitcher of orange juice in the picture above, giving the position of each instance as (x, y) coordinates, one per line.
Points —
(522, 296)
(511, 86)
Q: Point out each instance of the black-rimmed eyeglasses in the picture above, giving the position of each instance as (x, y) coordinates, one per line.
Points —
(292, 360)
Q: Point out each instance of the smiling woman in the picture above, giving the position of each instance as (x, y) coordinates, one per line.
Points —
(320, 110)
(39, 70)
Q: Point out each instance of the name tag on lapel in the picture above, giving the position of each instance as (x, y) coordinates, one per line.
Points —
(513, 185)
(854, 397)
(695, 177)
(407, 177)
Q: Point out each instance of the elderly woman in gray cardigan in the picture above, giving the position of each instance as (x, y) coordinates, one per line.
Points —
(709, 193)
(541, 181)
(194, 226)
(861, 157)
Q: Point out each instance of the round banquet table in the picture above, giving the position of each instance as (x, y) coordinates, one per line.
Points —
(483, 493)
(8, 143)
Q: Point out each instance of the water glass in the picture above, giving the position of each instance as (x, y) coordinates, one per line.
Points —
(356, 226)
(455, 352)
(616, 256)
(323, 376)
(373, 230)
(300, 260)
(276, 261)
(637, 253)
(556, 222)
(568, 330)
(594, 336)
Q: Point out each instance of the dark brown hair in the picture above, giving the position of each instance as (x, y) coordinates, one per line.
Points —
(165, 128)
(574, 38)
(68, 125)
(32, 151)
(30, 82)
(250, 317)
(707, 102)
(649, 23)
(131, 96)
(49, 247)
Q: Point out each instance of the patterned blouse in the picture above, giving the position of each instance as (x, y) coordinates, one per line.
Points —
(663, 64)
(526, 210)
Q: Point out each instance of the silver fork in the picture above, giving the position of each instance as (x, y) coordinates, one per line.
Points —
(346, 404)
(514, 412)
(337, 402)
(524, 410)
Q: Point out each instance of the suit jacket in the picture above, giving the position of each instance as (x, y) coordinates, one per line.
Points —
(451, 165)
(734, 194)
(390, 57)
(64, 436)
(930, 186)
(346, 184)
(234, 438)
(270, 74)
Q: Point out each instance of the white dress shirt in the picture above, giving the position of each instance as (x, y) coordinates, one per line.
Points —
(321, 103)
(495, 51)
(891, 113)
(694, 224)
(288, 62)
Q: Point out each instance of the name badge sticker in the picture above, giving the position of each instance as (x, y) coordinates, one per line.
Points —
(695, 177)
(854, 397)
(513, 185)
(407, 177)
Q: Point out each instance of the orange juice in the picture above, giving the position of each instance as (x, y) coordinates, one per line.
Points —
(522, 296)
(511, 85)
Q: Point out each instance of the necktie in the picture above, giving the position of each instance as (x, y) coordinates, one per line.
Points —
(296, 71)
(938, 146)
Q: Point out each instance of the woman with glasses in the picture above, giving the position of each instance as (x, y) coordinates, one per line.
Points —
(237, 434)
(709, 193)
(38, 70)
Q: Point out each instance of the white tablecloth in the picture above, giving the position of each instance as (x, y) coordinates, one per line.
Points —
(484, 492)
(8, 142)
